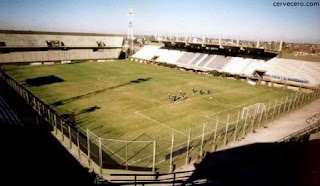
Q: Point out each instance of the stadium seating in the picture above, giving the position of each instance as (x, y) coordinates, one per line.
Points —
(255, 64)
(236, 65)
(146, 52)
(186, 58)
(169, 56)
(197, 59)
(206, 60)
(309, 71)
(218, 62)
(294, 70)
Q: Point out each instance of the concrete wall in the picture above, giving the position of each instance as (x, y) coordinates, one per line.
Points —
(42, 56)
(39, 40)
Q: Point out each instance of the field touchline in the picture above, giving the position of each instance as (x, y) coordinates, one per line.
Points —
(137, 112)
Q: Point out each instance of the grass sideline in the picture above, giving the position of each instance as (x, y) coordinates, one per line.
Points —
(129, 101)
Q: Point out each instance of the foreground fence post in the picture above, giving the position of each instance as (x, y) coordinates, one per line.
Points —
(244, 126)
(78, 144)
(254, 119)
(299, 100)
(55, 122)
(260, 120)
(126, 155)
(294, 100)
(285, 104)
(171, 152)
(202, 139)
(226, 131)
(274, 109)
(214, 145)
(154, 156)
(304, 100)
(267, 114)
(88, 146)
(100, 155)
(188, 147)
(70, 136)
(236, 129)
(280, 106)
(61, 125)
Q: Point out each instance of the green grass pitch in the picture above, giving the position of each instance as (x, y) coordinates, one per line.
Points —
(128, 100)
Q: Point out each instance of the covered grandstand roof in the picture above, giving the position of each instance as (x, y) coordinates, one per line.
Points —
(204, 46)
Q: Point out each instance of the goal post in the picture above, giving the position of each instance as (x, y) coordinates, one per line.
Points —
(252, 110)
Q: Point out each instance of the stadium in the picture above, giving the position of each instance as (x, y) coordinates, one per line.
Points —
(158, 110)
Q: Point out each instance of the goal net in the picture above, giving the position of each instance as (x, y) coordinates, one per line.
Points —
(252, 110)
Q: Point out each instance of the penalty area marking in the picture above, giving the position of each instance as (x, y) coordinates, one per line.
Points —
(155, 121)
(209, 116)
(160, 123)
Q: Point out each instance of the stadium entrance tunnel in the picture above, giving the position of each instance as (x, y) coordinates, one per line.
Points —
(45, 80)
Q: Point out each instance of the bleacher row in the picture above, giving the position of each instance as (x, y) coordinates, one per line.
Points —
(39, 40)
(59, 55)
(7, 115)
(296, 70)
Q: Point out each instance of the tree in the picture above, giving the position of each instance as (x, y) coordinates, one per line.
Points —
(215, 73)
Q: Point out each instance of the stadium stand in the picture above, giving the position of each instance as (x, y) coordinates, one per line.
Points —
(255, 64)
(287, 69)
(236, 65)
(206, 60)
(197, 59)
(218, 62)
(169, 56)
(186, 58)
(7, 115)
(147, 52)
(309, 71)
(29, 46)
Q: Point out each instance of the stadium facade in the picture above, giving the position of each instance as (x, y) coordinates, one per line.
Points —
(41, 47)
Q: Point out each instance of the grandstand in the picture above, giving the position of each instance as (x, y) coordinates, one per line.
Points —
(245, 63)
(31, 47)
(218, 62)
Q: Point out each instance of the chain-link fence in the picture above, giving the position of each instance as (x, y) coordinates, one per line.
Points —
(173, 150)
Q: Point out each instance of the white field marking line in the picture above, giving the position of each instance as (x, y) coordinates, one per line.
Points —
(133, 162)
(209, 116)
(113, 153)
(160, 123)
(180, 102)
(138, 112)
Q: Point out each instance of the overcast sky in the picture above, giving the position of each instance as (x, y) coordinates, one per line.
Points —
(248, 19)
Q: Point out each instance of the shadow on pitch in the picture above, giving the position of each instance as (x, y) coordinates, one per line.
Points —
(90, 109)
(45, 80)
(139, 80)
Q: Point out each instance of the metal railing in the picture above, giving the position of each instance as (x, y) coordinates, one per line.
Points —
(299, 135)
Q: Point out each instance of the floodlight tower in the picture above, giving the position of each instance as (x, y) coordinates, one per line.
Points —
(130, 14)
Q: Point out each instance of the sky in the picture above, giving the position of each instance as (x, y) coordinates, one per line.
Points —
(247, 19)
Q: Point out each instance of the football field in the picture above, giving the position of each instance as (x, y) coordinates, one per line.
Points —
(126, 100)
